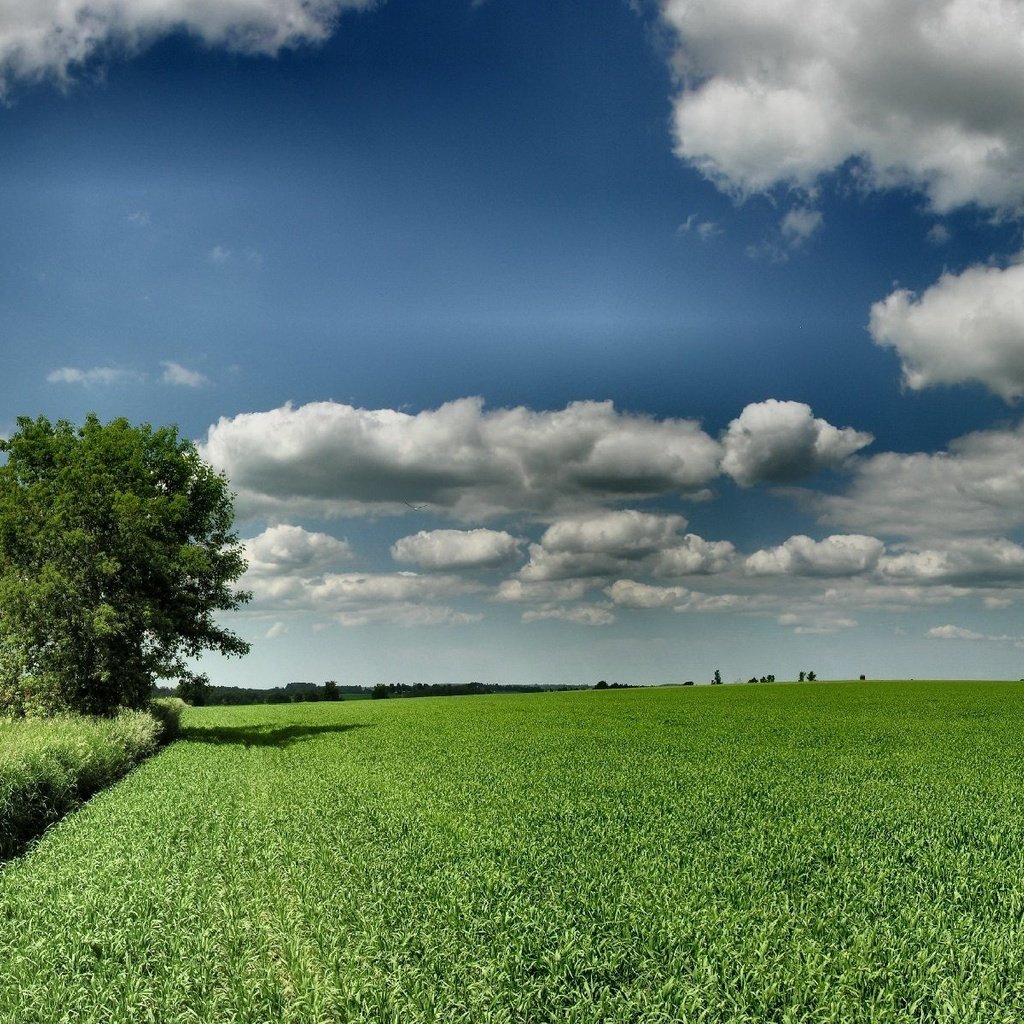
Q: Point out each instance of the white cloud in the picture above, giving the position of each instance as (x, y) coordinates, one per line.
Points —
(798, 225)
(181, 376)
(94, 376)
(965, 327)
(219, 255)
(625, 542)
(967, 562)
(331, 459)
(976, 487)
(290, 550)
(951, 632)
(838, 555)
(276, 630)
(50, 38)
(692, 555)
(456, 549)
(816, 624)
(928, 94)
(407, 614)
(776, 441)
(284, 576)
(938, 234)
(541, 591)
(631, 594)
(626, 533)
(579, 615)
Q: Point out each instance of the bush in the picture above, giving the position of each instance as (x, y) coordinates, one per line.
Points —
(167, 711)
(50, 766)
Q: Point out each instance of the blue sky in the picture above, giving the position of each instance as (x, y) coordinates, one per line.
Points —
(697, 331)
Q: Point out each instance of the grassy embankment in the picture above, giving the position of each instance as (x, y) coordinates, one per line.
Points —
(840, 853)
(50, 766)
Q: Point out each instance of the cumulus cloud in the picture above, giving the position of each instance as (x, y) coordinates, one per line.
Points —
(180, 376)
(631, 594)
(968, 562)
(927, 94)
(541, 591)
(623, 542)
(456, 549)
(976, 487)
(328, 459)
(965, 327)
(50, 38)
(94, 376)
(359, 599)
(775, 441)
(692, 555)
(284, 549)
(838, 555)
(951, 632)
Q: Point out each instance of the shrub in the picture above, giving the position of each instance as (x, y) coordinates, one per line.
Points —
(48, 767)
(167, 711)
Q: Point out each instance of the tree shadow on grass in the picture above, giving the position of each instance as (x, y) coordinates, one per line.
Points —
(263, 735)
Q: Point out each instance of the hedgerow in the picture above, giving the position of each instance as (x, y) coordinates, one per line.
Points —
(49, 766)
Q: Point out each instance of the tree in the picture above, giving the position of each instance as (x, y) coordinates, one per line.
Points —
(717, 680)
(331, 691)
(802, 676)
(116, 550)
(811, 677)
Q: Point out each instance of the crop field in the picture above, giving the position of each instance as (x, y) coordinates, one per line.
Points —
(826, 852)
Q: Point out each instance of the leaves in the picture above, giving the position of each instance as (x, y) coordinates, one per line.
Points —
(116, 548)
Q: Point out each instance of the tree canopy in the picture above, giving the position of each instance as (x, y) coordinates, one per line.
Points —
(116, 549)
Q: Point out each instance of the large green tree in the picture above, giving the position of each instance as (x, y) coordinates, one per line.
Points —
(116, 549)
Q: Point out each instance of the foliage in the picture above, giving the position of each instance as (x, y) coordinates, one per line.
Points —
(850, 854)
(116, 548)
(167, 711)
(49, 767)
(716, 679)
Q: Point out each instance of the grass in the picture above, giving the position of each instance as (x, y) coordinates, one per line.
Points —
(819, 853)
(50, 766)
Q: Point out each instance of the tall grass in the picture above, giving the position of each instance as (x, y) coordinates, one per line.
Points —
(49, 766)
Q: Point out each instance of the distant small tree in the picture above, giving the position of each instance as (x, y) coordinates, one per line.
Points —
(194, 689)
(862, 675)
(717, 680)
(811, 677)
(331, 691)
(803, 675)
(602, 684)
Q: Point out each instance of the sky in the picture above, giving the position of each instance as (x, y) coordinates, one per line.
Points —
(548, 342)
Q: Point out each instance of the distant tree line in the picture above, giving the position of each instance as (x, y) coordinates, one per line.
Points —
(603, 684)
(200, 694)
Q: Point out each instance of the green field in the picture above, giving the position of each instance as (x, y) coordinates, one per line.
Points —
(825, 852)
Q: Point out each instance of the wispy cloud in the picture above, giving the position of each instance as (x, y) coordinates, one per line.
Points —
(101, 376)
(180, 376)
